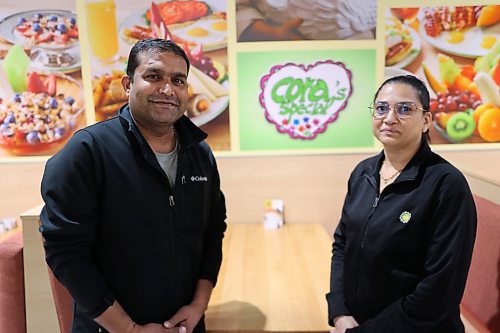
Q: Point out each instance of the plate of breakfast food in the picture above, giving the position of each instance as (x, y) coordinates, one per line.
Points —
(188, 22)
(467, 31)
(402, 43)
(207, 97)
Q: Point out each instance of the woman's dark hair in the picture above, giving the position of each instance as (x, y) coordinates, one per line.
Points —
(418, 86)
(152, 45)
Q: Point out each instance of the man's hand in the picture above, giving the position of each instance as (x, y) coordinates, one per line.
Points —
(260, 30)
(342, 323)
(186, 318)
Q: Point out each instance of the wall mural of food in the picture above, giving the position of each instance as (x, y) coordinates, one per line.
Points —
(199, 27)
(41, 99)
(456, 49)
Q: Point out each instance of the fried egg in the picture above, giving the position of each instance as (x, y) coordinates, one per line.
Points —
(206, 32)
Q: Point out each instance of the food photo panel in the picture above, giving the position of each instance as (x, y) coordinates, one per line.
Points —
(199, 27)
(456, 50)
(290, 20)
(41, 99)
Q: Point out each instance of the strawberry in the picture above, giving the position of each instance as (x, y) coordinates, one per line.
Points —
(22, 27)
(73, 33)
(44, 38)
(35, 83)
(61, 39)
(30, 33)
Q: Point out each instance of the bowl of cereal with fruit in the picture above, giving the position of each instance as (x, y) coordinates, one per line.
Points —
(43, 117)
(49, 29)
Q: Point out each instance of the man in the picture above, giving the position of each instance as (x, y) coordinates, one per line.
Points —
(134, 217)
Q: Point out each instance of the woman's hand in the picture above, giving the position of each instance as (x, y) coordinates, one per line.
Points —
(342, 323)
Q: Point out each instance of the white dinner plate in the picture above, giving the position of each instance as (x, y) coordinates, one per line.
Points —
(213, 41)
(470, 47)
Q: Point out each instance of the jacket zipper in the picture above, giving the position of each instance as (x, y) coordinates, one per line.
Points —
(375, 204)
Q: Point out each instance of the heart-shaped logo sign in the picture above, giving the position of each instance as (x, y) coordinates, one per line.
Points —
(302, 101)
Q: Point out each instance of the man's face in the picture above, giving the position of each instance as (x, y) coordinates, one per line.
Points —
(158, 94)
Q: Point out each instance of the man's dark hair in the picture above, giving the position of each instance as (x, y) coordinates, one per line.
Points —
(418, 86)
(152, 45)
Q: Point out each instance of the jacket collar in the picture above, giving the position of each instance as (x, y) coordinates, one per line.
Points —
(187, 132)
(410, 172)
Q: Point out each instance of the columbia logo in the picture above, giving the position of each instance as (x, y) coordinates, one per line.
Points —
(199, 178)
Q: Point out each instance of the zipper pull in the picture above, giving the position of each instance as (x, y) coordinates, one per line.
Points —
(375, 203)
(183, 179)
(171, 200)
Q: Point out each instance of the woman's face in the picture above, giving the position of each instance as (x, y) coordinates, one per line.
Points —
(395, 131)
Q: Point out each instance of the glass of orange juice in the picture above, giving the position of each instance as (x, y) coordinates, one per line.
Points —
(102, 31)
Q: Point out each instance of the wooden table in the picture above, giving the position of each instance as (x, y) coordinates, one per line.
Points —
(272, 280)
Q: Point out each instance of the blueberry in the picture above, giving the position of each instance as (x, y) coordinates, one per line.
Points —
(37, 16)
(53, 18)
(17, 98)
(7, 130)
(62, 28)
(37, 27)
(32, 137)
(9, 119)
(70, 100)
(53, 103)
(59, 131)
(72, 20)
(21, 20)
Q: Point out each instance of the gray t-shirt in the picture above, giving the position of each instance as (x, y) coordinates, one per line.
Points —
(168, 163)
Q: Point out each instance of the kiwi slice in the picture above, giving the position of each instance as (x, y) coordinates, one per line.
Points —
(460, 126)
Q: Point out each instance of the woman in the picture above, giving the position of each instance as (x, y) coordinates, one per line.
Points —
(403, 247)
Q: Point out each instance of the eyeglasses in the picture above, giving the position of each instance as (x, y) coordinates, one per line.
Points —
(404, 110)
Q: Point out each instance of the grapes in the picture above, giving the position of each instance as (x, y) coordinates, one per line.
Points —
(453, 100)
(451, 105)
(214, 74)
(206, 65)
(464, 98)
(463, 106)
(476, 103)
(433, 105)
